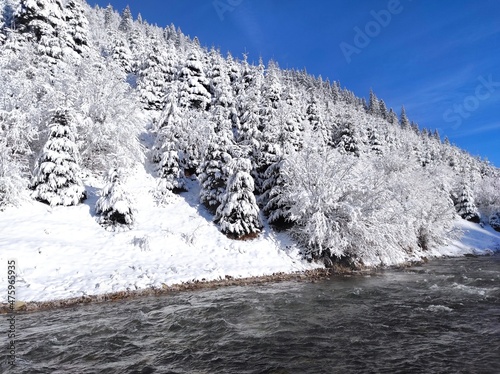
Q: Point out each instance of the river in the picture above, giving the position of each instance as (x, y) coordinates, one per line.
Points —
(440, 317)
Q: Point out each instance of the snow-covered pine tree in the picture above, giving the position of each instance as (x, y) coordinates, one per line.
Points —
(114, 207)
(415, 128)
(154, 76)
(140, 41)
(276, 207)
(109, 16)
(238, 214)
(268, 153)
(214, 175)
(221, 88)
(214, 171)
(285, 142)
(383, 109)
(316, 122)
(127, 21)
(58, 28)
(233, 69)
(374, 105)
(220, 81)
(42, 20)
(403, 120)
(291, 115)
(466, 206)
(436, 136)
(392, 117)
(56, 180)
(349, 141)
(375, 141)
(272, 90)
(195, 86)
(165, 151)
(169, 170)
(78, 27)
(194, 135)
(248, 104)
(122, 55)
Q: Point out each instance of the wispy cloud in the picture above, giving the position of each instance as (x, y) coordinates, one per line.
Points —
(248, 22)
(478, 130)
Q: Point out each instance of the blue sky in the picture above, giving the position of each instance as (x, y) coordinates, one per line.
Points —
(440, 59)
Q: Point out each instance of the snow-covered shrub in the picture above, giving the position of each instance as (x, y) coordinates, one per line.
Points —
(369, 212)
(56, 178)
(488, 196)
(161, 195)
(142, 243)
(12, 183)
(109, 121)
(114, 206)
(195, 133)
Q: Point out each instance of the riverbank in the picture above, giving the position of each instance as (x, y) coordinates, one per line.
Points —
(312, 276)
(306, 276)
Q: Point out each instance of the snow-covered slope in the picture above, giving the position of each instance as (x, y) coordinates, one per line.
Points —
(62, 252)
(474, 239)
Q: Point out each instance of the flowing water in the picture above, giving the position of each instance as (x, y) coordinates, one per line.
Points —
(442, 317)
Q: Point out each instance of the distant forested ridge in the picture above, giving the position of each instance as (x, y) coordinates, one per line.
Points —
(88, 90)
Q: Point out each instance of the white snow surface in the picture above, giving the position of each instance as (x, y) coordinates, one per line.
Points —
(62, 252)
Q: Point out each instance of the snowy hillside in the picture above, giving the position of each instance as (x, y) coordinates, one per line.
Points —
(63, 252)
(131, 156)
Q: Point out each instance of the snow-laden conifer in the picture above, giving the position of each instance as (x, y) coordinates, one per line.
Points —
(169, 171)
(403, 120)
(155, 75)
(59, 28)
(276, 206)
(215, 168)
(195, 85)
(316, 122)
(126, 20)
(114, 207)
(166, 149)
(248, 106)
(374, 105)
(56, 178)
(465, 204)
(238, 214)
(349, 141)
